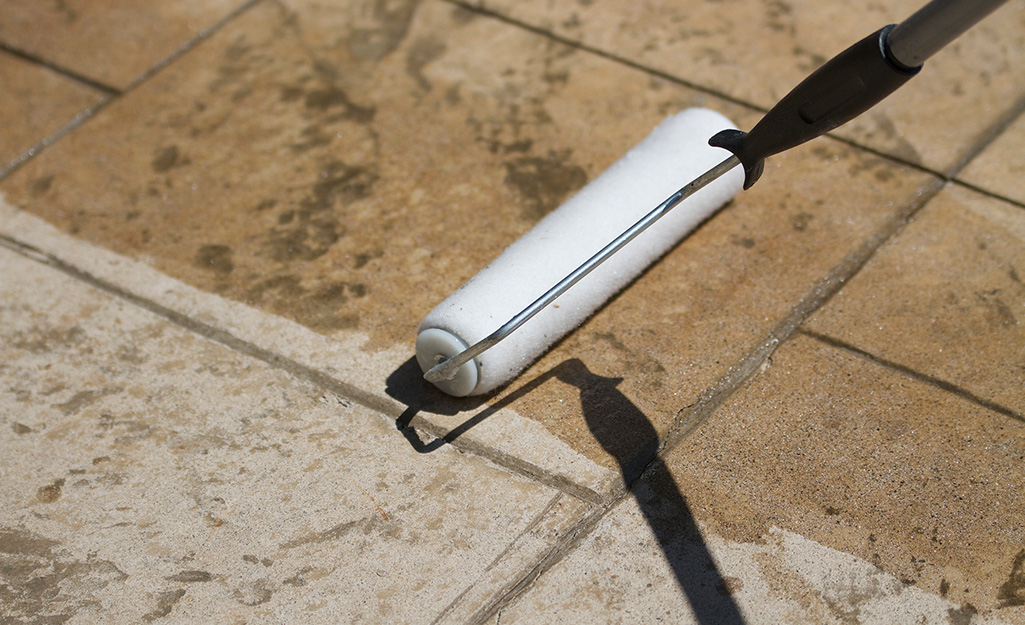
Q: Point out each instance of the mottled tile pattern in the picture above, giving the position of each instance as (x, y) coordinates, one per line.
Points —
(112, 42)
(946, 298)
(757, 50)
(303, 183)
(350, 217)
(150, 473)
(925, 485)
(35, 103)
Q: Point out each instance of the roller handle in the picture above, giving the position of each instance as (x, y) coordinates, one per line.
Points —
(845, 87)
(852, 82)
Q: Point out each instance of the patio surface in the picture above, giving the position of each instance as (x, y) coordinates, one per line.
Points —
(222, 222)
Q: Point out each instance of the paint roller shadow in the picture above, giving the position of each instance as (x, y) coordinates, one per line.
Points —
(618, 425)
(624, 431)
(407, 386)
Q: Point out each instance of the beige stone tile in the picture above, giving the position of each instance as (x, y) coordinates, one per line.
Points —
(863, 459)
(945, 298)
(1000, 168)
(621, 573)
(36, 102)
(505, 437)
(148, 472)
(349, 169)
(757, 50)
(111, 41)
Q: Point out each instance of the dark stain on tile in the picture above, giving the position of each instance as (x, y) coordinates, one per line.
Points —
(265, 205)
(254, 593)
(744, 242)
(165, 159)
(165, 603)
(307, 232)
(40, 586)
(216, 258)
(70, 15)
(1000, 313)
(316, 307)
(1012, 592)
(779, 16)
(45, 340)
(334, 97)
(902, 148)
(376, 42)
(338, 531)
(962, 615)
(82, 399)
(422, 52)
(51, 492)
(39, 186)
(251, 559)
(189, 577)
(544, 181)
(298, 580)
(800, 221)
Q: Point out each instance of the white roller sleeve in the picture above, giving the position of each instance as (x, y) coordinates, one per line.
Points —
(676, 152)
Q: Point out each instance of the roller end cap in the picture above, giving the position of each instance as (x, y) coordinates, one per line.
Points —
(435, 345)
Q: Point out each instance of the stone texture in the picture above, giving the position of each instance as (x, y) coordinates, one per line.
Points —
(923, 484)
(1000, 169)
(757, 50)
(353, 219)
(36, 103)
(500, 434)
(620, 574)
(112, 42)
(305, 183)
(149, 473)
(945, 299)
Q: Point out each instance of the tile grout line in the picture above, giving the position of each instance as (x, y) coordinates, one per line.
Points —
(986, 137)
(691, 417)
(105, 89)
(475, 7)
(111, 94)
(381, 405)
(821, 292)
(575, 534)
(913, 374)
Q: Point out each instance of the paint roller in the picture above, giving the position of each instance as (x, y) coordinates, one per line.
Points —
(581, 247)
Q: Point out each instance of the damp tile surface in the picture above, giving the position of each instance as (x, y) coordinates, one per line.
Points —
(1000, 168)
(757, 50)
(945, 298)
(376, 141)
(148, 474)
(36, 103)
(921, 483)
(111, 42)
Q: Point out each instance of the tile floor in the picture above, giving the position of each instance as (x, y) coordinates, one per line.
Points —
(271, 194)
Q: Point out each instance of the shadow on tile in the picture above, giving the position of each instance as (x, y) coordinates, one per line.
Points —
(626, 433)
(407, 385)
(659, 498)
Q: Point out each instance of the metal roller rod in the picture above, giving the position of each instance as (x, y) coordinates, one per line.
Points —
(933, 26)
(446, 369)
